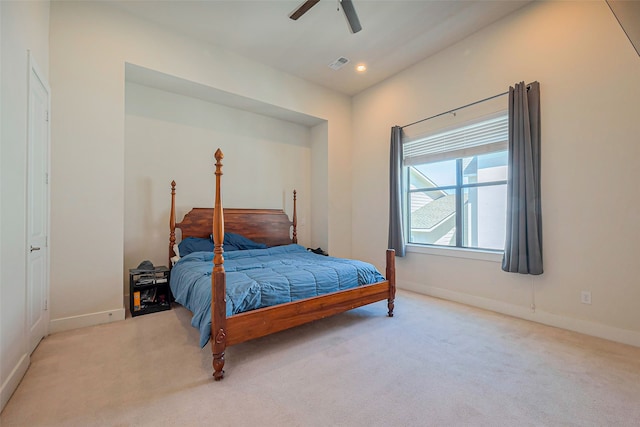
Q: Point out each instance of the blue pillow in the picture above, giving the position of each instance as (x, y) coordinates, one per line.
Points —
(195, 244)
(241, 242)
(227, 246)
(237, 242)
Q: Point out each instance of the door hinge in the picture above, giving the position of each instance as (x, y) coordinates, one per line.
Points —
(46, 241)
(46, 115)
(46, 304)
(46, 177)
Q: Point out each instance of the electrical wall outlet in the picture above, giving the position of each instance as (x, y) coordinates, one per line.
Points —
(585, 297)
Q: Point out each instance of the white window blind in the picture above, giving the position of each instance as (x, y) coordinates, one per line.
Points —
(486, 136)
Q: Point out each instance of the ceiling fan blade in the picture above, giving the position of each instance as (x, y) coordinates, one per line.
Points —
(352, 16)
(304, 8)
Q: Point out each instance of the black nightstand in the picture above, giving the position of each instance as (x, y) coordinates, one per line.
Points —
(149, 291)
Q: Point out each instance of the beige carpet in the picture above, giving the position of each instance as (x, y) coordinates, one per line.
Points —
(435, 364)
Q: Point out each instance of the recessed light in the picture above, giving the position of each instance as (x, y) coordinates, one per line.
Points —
(361, 68)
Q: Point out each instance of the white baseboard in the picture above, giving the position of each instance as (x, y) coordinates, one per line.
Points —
(13, 380)
(599, 330)
(84, 320)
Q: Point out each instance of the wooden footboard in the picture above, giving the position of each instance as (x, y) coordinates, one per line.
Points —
(257, 323)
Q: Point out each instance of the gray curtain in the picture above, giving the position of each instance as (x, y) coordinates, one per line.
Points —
(396, 231)
(523, 246)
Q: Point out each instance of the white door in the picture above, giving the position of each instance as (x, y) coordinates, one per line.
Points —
(37, 206)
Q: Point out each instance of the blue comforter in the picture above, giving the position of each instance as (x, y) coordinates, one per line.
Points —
(259, 278)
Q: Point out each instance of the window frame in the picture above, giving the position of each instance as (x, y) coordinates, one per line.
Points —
(489, 255)
(460, 188)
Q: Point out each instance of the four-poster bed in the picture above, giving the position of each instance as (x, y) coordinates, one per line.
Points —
(271, 227)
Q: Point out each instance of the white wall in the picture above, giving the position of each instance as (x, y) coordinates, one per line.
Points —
(24, 26)
(90, 44)
(319, 186)
(590, 85)
(173, 137)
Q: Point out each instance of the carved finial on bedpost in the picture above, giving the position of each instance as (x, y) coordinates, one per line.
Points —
(172, 222)
(295, 219)
(218, 218)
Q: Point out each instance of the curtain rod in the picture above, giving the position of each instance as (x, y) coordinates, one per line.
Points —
(459, 108)
(454, 110)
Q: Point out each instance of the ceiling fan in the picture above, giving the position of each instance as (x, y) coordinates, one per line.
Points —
(347, 8)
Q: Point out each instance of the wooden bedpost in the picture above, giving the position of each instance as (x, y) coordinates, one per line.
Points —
(295, 219)
(218, 285)
(172, 223)
(391, 277)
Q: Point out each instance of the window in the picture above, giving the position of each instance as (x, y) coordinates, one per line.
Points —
(456, 185)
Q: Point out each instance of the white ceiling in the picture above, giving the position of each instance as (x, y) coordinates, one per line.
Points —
(396, 33)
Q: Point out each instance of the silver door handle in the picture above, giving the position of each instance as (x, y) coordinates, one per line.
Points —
(34, 248)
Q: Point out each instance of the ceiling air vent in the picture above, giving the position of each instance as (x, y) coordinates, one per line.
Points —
(338, 63)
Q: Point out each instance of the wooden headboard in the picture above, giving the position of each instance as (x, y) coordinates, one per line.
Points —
(269, 226)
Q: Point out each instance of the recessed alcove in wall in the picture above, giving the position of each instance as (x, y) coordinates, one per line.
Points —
(174, 84)
(173, 127)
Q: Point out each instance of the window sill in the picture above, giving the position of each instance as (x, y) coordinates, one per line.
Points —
(477, 254)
